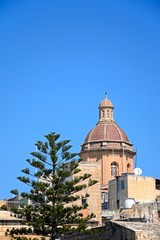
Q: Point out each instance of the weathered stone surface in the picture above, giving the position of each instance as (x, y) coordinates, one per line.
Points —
(122, 231)
(142, 231)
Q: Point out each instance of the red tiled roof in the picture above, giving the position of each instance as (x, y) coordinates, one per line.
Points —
(107, 132)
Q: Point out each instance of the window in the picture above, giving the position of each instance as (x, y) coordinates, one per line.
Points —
(108, 113)
(104, 197)
(122, 184)
(112, 114)
(84, 201)
(128, 167)
(103, 115)
(114, 169)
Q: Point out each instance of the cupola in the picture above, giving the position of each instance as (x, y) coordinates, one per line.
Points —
(106, 110)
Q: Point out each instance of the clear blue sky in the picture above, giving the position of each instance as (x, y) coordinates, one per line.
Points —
(58, 57)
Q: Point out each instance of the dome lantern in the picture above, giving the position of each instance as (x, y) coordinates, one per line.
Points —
(106, 110)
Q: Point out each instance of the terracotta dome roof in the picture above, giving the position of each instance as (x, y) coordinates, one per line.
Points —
(107, 132)
(105, 103)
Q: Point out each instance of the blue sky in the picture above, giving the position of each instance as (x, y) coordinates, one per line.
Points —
(57, 59)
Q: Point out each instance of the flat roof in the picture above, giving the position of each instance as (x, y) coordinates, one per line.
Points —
(141, 227)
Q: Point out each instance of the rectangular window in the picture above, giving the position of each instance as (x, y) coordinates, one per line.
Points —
(104, 197)
(84, 201)
(122, 185)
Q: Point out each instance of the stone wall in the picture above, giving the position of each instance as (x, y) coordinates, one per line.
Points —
(146, 211)
(99, 234)
(116, 230)
(128, 186)
(142, 231)
(120, 231)
(94, 200)
(112, 231)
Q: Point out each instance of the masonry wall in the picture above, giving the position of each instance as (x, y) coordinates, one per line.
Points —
(113, 231)
(117, 194)
(149, 211)
(106, 157)
(141, 188)
(94, 199)
(120, 231)
(157, 192)
(112, 193)
(123, 190)
(2, 202)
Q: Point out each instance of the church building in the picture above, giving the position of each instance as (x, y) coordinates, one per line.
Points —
(106, 153)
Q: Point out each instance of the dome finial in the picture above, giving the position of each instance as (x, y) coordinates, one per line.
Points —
(106, 96)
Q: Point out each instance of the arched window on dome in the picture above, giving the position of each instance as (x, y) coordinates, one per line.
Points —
(103, 114)
(112, 114)
(128, 167)
(114, 169)
(108, 115)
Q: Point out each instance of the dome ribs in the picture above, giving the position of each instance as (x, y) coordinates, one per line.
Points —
(106, 132)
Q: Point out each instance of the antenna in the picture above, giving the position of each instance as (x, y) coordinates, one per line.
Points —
(136, 158)
(137, 171)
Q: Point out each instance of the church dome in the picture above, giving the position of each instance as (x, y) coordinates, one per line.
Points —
(107, 132)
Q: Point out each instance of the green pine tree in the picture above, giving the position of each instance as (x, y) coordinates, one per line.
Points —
(54, 188)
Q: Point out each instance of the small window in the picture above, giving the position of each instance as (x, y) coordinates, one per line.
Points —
(84, 201)
(112, 114)
(108, 113)
(122, 185)
(104, 197)
(128, 167)
(103, 114)
(114, 169)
